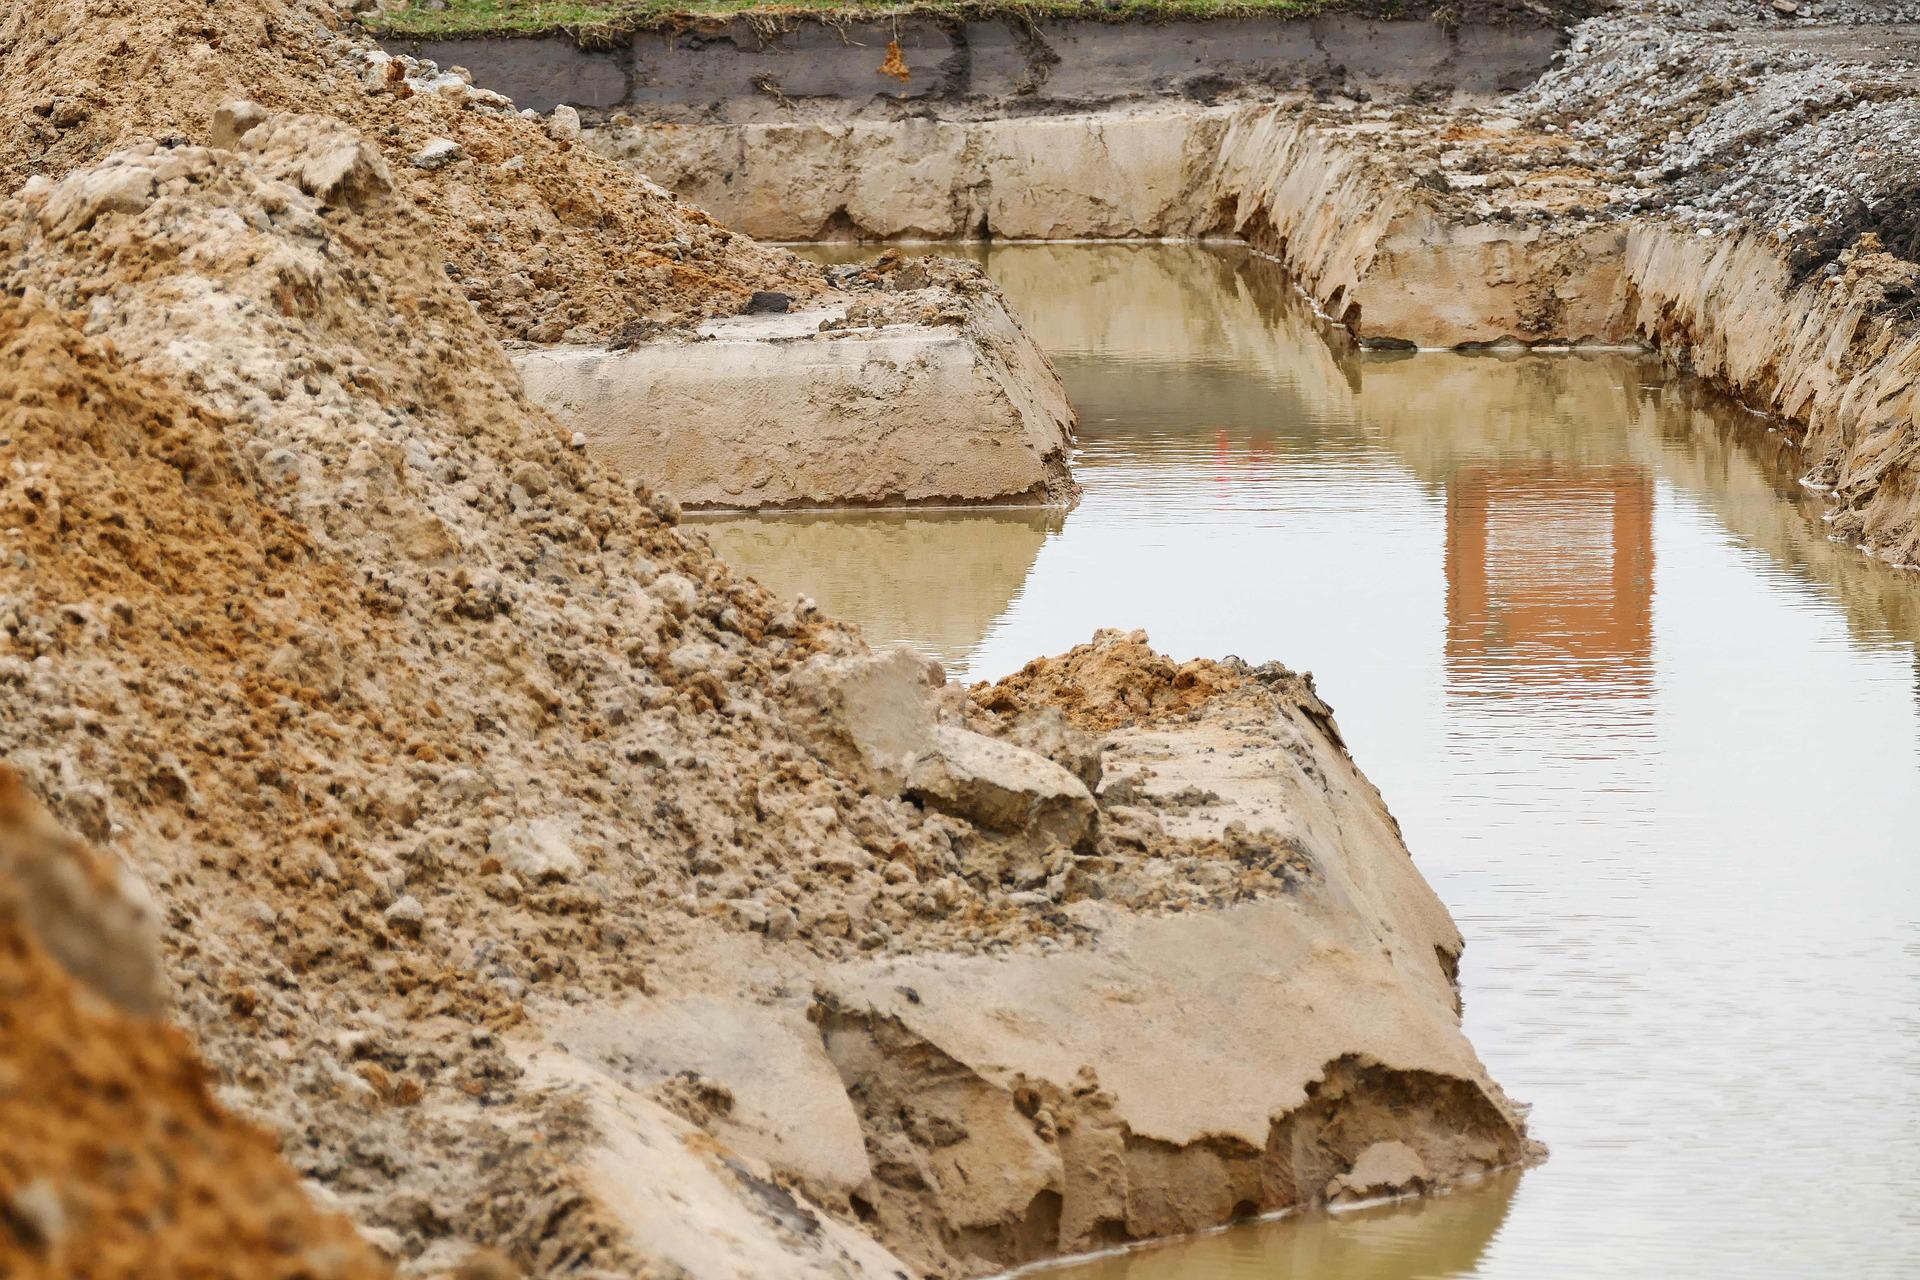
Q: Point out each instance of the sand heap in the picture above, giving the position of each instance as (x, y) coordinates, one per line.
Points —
(511, 852)
(118, 1162)
(373, 655)
(546, 238)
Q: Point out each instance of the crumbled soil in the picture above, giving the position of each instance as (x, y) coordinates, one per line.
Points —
(1117, 679)
(421, 727)
(547, 239)
(118, 1161)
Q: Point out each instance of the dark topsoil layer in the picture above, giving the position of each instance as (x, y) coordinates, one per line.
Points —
(753, 67)
(622, 23)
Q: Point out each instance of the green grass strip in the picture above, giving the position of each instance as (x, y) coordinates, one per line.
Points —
(603, 21)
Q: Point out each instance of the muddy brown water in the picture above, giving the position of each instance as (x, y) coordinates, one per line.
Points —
(1653, 738)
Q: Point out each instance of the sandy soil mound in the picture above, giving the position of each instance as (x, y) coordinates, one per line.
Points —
(1113, 681)
(462, 776)
(303, 597)
(546, 238)
(118, 1162)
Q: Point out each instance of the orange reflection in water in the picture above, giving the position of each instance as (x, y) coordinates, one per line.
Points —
(1550, 578)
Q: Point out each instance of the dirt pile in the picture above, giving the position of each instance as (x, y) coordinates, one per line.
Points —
(304, 599)
(1118, 679)
(118, 1162)
(544, 237)
(469, 786)
(1014, 1104)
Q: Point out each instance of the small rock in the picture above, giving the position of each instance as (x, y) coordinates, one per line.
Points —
(438, 154)
(1383, 1169)
(676, 592)
(767, 302)
(532, 478)
(750, 914)
(1785, 8)
(388, 1241)
(1001, 787)
(37, 1216)
(692, 658)
(564, 123)
(231, 120)
(1046, 732)
(535, 849)
(406, 915)
(869, 714)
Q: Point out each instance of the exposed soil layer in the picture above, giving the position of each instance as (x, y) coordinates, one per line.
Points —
(903, 68)
(602, 23)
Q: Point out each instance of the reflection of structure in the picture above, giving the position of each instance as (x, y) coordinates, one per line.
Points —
(1550, 577)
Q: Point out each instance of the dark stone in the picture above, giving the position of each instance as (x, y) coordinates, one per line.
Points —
(766, 302)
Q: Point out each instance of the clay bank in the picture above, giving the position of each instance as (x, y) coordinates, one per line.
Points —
(1721, 184)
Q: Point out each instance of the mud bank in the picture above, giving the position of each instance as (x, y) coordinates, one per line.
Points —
(1560, 258)
(973, 1112)
(931, 396)
(1826, 356)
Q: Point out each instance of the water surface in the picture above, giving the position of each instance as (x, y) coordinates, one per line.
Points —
(1653, 738)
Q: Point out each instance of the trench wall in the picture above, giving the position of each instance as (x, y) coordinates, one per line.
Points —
(1355, 239)
(1819, 353)
(740, 69)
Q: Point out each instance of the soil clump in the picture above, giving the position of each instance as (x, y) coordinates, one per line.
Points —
(545, 238)
(118, 1161)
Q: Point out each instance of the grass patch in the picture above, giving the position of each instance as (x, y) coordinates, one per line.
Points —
(602, 21)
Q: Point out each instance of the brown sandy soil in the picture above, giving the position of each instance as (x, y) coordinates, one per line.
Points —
(1104, 687)
(444, 753)
(546, 238)
(118, 1162)
(513, 859)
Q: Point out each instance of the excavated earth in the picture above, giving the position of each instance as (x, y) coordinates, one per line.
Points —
(561, 902)
(597, 275)
(1730, 183)
(118, 1161)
